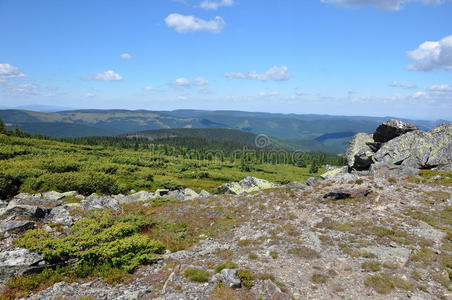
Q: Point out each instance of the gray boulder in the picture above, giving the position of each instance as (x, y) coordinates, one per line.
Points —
(18, 261)
(359, 154)
(231, 278)
(35, 201)
(419, 149)
(313, 181)
(183, 195)
(392, 129)
(24, 211)
(52, 195)
(100, 202)
(385, 170)
(59, 215)
(13, 226)
(334, 172)
(247, 185)
(204, 194)
(137, 197)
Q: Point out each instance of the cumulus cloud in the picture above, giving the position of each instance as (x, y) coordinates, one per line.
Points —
(214, 5)
(431, 56)
(275, 74)
(268, 94)
(148, 88)
(441, 88)
(402, 85)
(7, 71)
(106, 76)
(388, 5)
(200, 81)
(183, 82)
(126, 56)
(186, 24)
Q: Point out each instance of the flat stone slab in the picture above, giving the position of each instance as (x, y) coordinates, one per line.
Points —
(398, 254)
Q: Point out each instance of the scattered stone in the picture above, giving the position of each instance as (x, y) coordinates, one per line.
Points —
(34, 200)
(359, 154)
(100, 202)
(392, 129)
(346, 194)
(18, 261)
(13, 226)
(398, 254)
(137, 197)
(231, 278)
(313, 181)
(386, 170)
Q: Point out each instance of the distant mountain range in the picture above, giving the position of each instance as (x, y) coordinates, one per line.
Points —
(308, 132)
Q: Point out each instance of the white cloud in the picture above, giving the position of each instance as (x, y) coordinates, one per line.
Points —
(126, 56)
(388, 5)
(402, 85)
(235, 75)
(89, 95)
(431, 56)
(268, 94)
(148, 88)
(214, 5)
(275, 73)
(7, 71)
(186, 24)
(25, 89)
(106, 76)
(183, 82)
(200, 81)
(419, 94)
(441, 88)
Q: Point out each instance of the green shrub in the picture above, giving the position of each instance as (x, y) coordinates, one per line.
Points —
(247, 278)
(197, 275)
(85, 184)
(8, 186)
(99, 240)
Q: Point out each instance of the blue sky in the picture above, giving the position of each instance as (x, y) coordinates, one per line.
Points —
(341, 57)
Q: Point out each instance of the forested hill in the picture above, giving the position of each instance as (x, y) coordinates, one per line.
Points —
(311, 132)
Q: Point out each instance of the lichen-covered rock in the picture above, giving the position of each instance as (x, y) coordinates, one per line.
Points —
(247, 185)
(183, 195)
(359, 154)
(59, 215)
(313, 181)
(334, 172)
(204, 194)
(392, 129)
(100, 202)
(419, 149)
(18, 261)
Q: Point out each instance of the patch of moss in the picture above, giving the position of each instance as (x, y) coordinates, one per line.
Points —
(226, 265)
(196, 275)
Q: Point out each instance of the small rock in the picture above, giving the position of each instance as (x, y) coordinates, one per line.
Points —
(313, 181)
(24, 211)
(59, 215)
(18, 261)
(231, 278)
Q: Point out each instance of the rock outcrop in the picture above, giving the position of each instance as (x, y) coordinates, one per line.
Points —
(399, 143)
(359, 154)
(18, 261)
(100, 202)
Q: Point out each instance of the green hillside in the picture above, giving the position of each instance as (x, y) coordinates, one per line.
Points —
(305, 132)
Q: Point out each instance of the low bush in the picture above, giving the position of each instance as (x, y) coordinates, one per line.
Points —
(196, 275)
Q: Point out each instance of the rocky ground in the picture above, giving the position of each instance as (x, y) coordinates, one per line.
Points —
(380, 231)
(388, 238)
